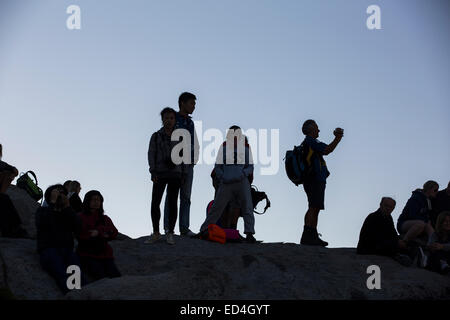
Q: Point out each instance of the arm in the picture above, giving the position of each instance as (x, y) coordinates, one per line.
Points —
(338, 134)
(151, 154)
(108, 230)
(248, 168)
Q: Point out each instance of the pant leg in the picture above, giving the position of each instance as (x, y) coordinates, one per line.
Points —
(185, 198)
(223, 196)
(157, 193)
(111, 269)
(94, 267)
(245, 199)
(173, 189)
(53, 262)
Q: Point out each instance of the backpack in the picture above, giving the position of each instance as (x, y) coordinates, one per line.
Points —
(298, 163)
(216, 234)
(26, 183)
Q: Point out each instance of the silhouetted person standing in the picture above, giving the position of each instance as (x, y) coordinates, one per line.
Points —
(315, 183)
(186, 103)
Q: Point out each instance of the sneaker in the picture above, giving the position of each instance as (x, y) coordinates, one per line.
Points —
(445, 268)
(322, 243)
(250, 238)
(170, 239)
(187, 233)
(422, 260)
(153, 238)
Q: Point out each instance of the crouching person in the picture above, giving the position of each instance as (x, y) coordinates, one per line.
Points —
(233, 169)
(97, 229)
(56, 225)
(379, 237)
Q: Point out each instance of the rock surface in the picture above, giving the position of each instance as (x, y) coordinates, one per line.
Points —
(197, 269)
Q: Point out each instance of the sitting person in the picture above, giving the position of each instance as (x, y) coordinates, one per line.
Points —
(378, 235)
(55, 225)
(10, 222)
(164, 173)
(414, 221)
(440, 203)
(96, 255)
(74, 196)
(233, 168)
(439, 259)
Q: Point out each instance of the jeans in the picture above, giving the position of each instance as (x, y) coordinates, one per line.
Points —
(185, 201)
(55, 262)
(173, 187)
(100, 268)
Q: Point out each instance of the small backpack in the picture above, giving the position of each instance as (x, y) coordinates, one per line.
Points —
(26, 183)
(298, 163)
(216, 234)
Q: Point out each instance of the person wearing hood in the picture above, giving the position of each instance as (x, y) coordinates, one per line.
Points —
(164, 173)
(414, 221)
(97, 229)
(56, 225)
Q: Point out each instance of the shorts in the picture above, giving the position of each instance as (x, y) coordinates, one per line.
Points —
(315, 190)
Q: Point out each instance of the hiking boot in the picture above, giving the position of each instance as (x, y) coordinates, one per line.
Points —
(153, 238)
(250, 238)
(170, 239)
(310, 237)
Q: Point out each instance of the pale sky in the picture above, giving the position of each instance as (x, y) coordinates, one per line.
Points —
(82, 104)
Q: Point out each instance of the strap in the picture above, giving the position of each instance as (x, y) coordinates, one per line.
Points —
(34, 175)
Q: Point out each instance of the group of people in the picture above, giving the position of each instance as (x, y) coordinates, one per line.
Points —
(61, 221)
(423, 229)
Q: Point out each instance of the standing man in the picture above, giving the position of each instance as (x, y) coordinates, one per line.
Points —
(315, 183)
(186, 103)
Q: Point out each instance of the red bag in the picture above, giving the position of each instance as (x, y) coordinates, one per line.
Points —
(216, 234)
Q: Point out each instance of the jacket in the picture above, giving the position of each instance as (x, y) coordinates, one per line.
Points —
(159, 156)
(96, 247)
(55, 229)
(241, 166)
(185, 122)
(415, 209)
(378, 235)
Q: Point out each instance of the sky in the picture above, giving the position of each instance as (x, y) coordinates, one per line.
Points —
(82, 104)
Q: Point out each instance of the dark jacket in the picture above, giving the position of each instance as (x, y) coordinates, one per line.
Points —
(241, 167)
(159, 156)
(55, 229)
(6, 167)
(96, 247)
(185, 122)
(76, 203)
(415, 209)
(378, 235)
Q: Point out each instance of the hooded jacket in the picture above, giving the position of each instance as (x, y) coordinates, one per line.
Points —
(241, 165)
(159, 156)
(415, 209)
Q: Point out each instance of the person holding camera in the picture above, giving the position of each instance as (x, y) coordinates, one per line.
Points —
(56, 225)
(315, 183)
(164, 173)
